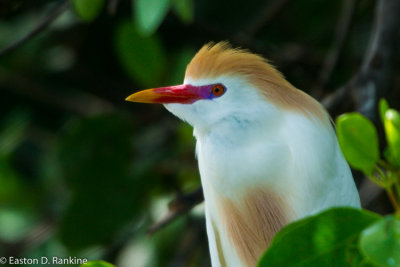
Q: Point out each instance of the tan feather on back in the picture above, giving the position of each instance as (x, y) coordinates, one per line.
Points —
(251, 224)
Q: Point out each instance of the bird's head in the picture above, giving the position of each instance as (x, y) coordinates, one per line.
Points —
(223, 83)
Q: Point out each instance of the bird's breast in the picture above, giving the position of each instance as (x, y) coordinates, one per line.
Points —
(231, 164)
(244, 188)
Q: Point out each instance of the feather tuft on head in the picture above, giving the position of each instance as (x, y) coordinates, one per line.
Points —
(217, 59)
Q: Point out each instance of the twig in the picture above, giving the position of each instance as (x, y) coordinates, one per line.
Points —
(35, 238)
(341, 33)
(374, 77)
(179, 206)
(335, 101)
(268, 13)
(38, 28)
(393, 199)
(378, 64)
(191, 241)
(245, 37)
(84, 104)
(368, 192)
(112, 6)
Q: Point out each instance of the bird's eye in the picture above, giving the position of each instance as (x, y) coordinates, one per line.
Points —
(218, 90)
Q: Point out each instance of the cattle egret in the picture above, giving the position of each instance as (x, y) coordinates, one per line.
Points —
(267, 152)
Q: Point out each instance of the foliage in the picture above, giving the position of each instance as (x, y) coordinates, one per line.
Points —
(337, 237)
(392, 129)
(97, 264)
(83, 147)
(327, 239)
(380, 243)
(359, 140)
(142, 57)
(359, 143)
(88, 10)
(150, 13)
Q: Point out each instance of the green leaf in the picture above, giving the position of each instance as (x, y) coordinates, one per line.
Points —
(149, 14)
(383, 107)
(380, 242)
(13, 130)
(143, 58)
(94, 149)
(354, 256)
(184, 9)
(325, 239)
(88, 10)
(179, 64)
(392, 130)
(95, 216)
(163, 239)
(95, 156)
(11, 186)
(97, 264)
(15, 224)
(358, 140)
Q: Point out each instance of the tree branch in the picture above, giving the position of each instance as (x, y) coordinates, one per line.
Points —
(81, 103)
(38, 28)
(374, 77)
(37, 236)
(112, 6)
(267, 14)
(341, 33)
(179, 206)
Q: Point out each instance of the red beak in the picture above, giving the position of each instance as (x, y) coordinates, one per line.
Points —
(183, 94)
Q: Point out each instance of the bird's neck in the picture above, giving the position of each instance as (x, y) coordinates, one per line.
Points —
(244, 209)
(235, 152)
(238, 128)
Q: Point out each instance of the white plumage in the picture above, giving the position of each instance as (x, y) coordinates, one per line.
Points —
(262, 164)
(243, 142)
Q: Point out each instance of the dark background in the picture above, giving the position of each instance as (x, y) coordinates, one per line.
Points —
(84, 173)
